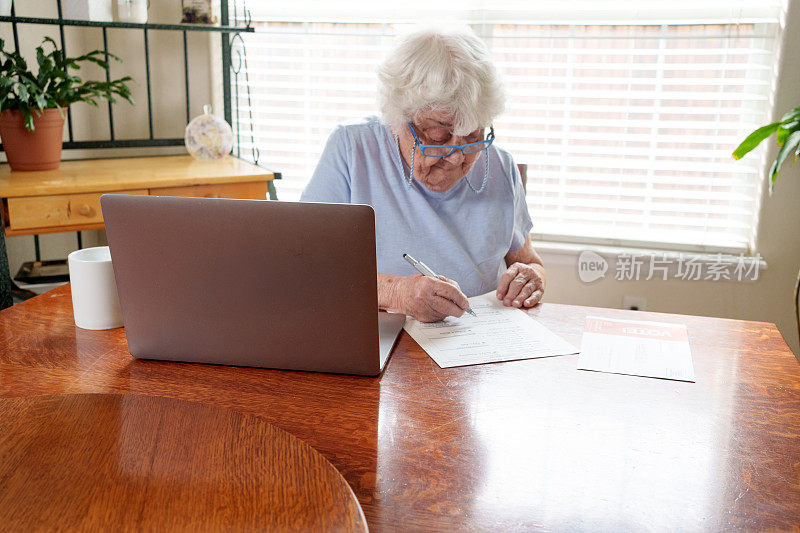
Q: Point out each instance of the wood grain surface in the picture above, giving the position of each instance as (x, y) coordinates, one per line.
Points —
(116, 174)
(508, 446)
(68, 198)
(255, 190)
(62, 210)
(103, 462)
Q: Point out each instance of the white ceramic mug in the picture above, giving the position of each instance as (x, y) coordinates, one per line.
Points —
(94, 292)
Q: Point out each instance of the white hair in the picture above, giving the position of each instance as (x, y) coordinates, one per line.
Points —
(440, 70)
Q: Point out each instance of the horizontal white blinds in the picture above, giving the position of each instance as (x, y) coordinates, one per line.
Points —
(634, 125)
(525, 11)
(305, 79)
(626, 129)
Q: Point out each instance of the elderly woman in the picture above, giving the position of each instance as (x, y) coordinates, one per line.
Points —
(441, 190)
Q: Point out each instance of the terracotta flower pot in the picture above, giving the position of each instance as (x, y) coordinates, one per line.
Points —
(39, 149)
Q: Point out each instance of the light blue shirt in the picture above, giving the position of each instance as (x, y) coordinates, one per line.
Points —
(458, 233)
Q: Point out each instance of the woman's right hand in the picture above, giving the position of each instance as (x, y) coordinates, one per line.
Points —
(424, 298)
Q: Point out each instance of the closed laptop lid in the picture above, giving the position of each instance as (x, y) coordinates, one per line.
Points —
(246, 282)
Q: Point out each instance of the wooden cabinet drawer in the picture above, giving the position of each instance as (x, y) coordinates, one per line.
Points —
(57, 211)
(253, 190)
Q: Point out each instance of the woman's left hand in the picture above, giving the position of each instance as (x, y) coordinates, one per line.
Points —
(522, 285)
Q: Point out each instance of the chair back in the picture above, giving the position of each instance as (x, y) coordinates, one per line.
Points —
(523, 174)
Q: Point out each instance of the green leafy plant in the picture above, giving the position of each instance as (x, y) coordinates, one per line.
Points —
(53, 86)
(787, 132)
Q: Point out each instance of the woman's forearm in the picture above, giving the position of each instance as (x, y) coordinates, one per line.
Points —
(388, 299)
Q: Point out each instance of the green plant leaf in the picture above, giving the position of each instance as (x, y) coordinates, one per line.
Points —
(22, 92)
(26, 115)
(794, 114)
(54, 85)
(788, 147)
(754, 139)
(785, 130)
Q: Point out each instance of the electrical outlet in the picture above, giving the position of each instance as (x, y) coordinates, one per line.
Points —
(634, 303)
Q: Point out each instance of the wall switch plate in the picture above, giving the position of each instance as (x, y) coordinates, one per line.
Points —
(634, 303)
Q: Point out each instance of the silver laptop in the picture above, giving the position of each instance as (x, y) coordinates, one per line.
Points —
(284, 285)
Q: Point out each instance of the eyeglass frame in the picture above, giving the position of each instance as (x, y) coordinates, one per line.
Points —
(487, 141)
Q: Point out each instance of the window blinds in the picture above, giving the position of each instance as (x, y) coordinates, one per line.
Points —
(625, 118)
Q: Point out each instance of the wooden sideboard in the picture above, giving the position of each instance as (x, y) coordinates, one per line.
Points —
(68, 198)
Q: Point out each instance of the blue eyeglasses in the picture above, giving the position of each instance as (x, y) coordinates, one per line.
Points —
(444, 150)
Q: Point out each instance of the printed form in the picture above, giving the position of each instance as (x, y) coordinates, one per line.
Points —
(497, 333)
(636, 348)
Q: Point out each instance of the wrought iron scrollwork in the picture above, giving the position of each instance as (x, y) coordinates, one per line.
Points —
(239, 66)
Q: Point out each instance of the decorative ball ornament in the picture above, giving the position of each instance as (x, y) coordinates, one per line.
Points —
(208, 136)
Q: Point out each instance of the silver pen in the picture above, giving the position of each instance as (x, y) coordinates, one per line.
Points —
(425, 270)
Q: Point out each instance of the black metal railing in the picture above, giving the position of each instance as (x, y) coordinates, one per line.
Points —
(112, 142)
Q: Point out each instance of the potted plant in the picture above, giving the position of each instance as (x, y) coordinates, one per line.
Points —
(787, 133)
(32, 104)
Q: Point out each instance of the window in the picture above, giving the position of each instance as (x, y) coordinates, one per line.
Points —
(626, 118)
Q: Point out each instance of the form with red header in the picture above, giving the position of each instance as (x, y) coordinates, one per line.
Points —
(636, 348)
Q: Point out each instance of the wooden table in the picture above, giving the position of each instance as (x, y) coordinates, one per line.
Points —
(507, 446)
(101, 462)
(68, 198)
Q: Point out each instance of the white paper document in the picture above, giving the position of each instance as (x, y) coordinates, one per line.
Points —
(497, 333)
(637, 348)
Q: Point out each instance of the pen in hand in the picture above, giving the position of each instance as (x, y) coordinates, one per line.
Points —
(423, 269)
